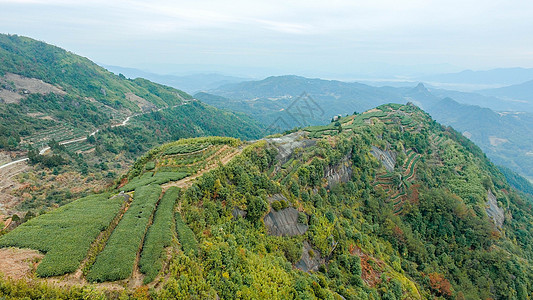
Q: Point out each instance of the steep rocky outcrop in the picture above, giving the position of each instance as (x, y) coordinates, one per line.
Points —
(284, 222)
(339, 173)
(286, 144)
(387, 158)
(310, 260)
(495, 212)
(238, 213)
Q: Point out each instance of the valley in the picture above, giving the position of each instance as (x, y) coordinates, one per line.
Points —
(502, 131)
(283, 188)
(66, 136)
(214, 207)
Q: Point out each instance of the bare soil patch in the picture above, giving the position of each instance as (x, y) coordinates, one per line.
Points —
(7, 96)
(19, 263)
(31, 85)
(8, 184)
(142, 103)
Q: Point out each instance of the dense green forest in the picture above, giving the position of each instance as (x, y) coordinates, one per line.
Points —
(386, 204)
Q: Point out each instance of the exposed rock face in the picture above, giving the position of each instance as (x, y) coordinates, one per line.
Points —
(286, 144)
(311, 259)
(339, 173)
(387, 158)
(276, 197)
(493, 211)
(284, 222)
(238, 213)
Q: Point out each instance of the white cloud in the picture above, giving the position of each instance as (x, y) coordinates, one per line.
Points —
(283, 31)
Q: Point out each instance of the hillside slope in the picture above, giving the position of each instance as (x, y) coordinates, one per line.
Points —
(385, 204)
(519, 92)
(282, 97)
(78, 125)
(277, 102)
(506, 137)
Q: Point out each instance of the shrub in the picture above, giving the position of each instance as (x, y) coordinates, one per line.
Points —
(159, 236)
(283, 204)
(292, 250)
(276, 205)
(117, 260)
(66, 234)
(302, 218)
(186, 237)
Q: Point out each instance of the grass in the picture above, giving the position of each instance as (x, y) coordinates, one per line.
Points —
(159, 236)
(186, 236)
(66, 234)
(150, 178)
(118, 258)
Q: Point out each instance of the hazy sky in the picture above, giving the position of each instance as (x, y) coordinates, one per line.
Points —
(330, 37)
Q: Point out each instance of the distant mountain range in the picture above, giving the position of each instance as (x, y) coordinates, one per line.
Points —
(93, 121)
(280, 97)
(518, 93)
(188, 83)
(501, 76)
(507, 138)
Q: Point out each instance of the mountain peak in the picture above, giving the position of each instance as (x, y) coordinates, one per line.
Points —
(421, 87)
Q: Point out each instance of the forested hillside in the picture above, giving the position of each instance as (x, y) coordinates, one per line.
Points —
(387, 204)
(506, 137)
(80, 125)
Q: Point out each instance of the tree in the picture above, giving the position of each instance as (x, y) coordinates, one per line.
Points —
(256, 208)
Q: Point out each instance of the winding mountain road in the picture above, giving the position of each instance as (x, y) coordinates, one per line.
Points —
(123, 123)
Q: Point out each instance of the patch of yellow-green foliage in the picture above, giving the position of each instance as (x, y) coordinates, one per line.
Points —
(151, 178)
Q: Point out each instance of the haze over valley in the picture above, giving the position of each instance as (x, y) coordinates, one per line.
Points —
(266, 150)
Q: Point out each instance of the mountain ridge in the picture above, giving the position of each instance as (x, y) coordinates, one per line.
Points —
(380, 232)
(60, 101)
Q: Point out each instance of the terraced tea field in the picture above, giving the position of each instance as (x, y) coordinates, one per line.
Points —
(65, 234)
(396, 193)
(179, 163)
(112, 238)
(401, 116)
(58, 133)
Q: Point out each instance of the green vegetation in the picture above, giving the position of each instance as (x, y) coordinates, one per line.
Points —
(517, 181)
(184, 148)
(159, 236)
(117, 260)
(150, 178)
(39, 290)
(73, 228)
(88, 98)
(420, 231)
(186, 237)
